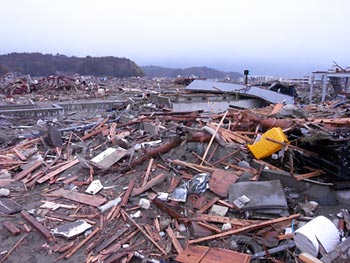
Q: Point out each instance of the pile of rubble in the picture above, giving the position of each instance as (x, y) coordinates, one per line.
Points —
(142, 183)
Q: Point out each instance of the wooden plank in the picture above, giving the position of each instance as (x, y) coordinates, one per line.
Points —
(202, 254)
(208, 205)
(58, 171)
(37, 225)
(145, 179)
(127, 193)
(11, 227)
(12, 249)
(174, 240)
(210, 227)
(213, 137)
(307, 258)
(34, 165)
(145, 233)
(110, 240)
(245, 228)
(220, 181)
(156, 180)
(82, 243)
(93, 133)
(80, 197)
(308, 175)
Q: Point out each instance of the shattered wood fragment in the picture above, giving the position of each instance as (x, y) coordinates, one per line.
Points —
(174, 240)
(246, 228)
(220, 181)
(156, 180)
(80, 197)
(37, 225)
(58, 171)
(127, 193)
(173, 184)
(152, 233)
(208, 205)
(145, 233)
(82, 243)
(11, 227)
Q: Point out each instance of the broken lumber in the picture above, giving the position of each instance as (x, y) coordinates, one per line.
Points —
(34, 165)
(245, 228)
(145, 233)
(80, 197)
(11, 227)
(58, 171)
(82, 243)
(156, 180)
(174, 240)
(127, 193)
(37, 225)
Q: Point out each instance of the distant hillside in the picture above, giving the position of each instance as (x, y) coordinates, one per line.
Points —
(201, 72)
(38, 64)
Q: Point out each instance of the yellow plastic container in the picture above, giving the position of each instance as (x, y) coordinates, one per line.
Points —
(264, 148)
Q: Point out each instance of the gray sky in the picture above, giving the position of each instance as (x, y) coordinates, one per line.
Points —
(274, 37)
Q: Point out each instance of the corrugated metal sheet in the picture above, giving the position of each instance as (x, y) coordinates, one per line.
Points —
(215, 86)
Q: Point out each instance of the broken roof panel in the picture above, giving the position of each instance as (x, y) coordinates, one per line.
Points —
(215, 86)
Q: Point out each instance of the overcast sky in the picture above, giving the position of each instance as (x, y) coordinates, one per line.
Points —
(273, 37)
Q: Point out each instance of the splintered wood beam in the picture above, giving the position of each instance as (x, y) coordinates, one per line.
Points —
(145, 233)
(245, 228)
(37, 225)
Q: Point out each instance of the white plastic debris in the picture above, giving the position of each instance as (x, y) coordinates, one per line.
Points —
(4, 192)
(163, 196)
(226, 226)
(94, 187)
(137, 214)
(182, 228)
(144, 203)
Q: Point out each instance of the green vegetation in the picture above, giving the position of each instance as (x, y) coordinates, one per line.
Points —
(38, 64)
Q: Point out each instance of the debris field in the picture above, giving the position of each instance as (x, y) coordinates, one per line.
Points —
(140, 182)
